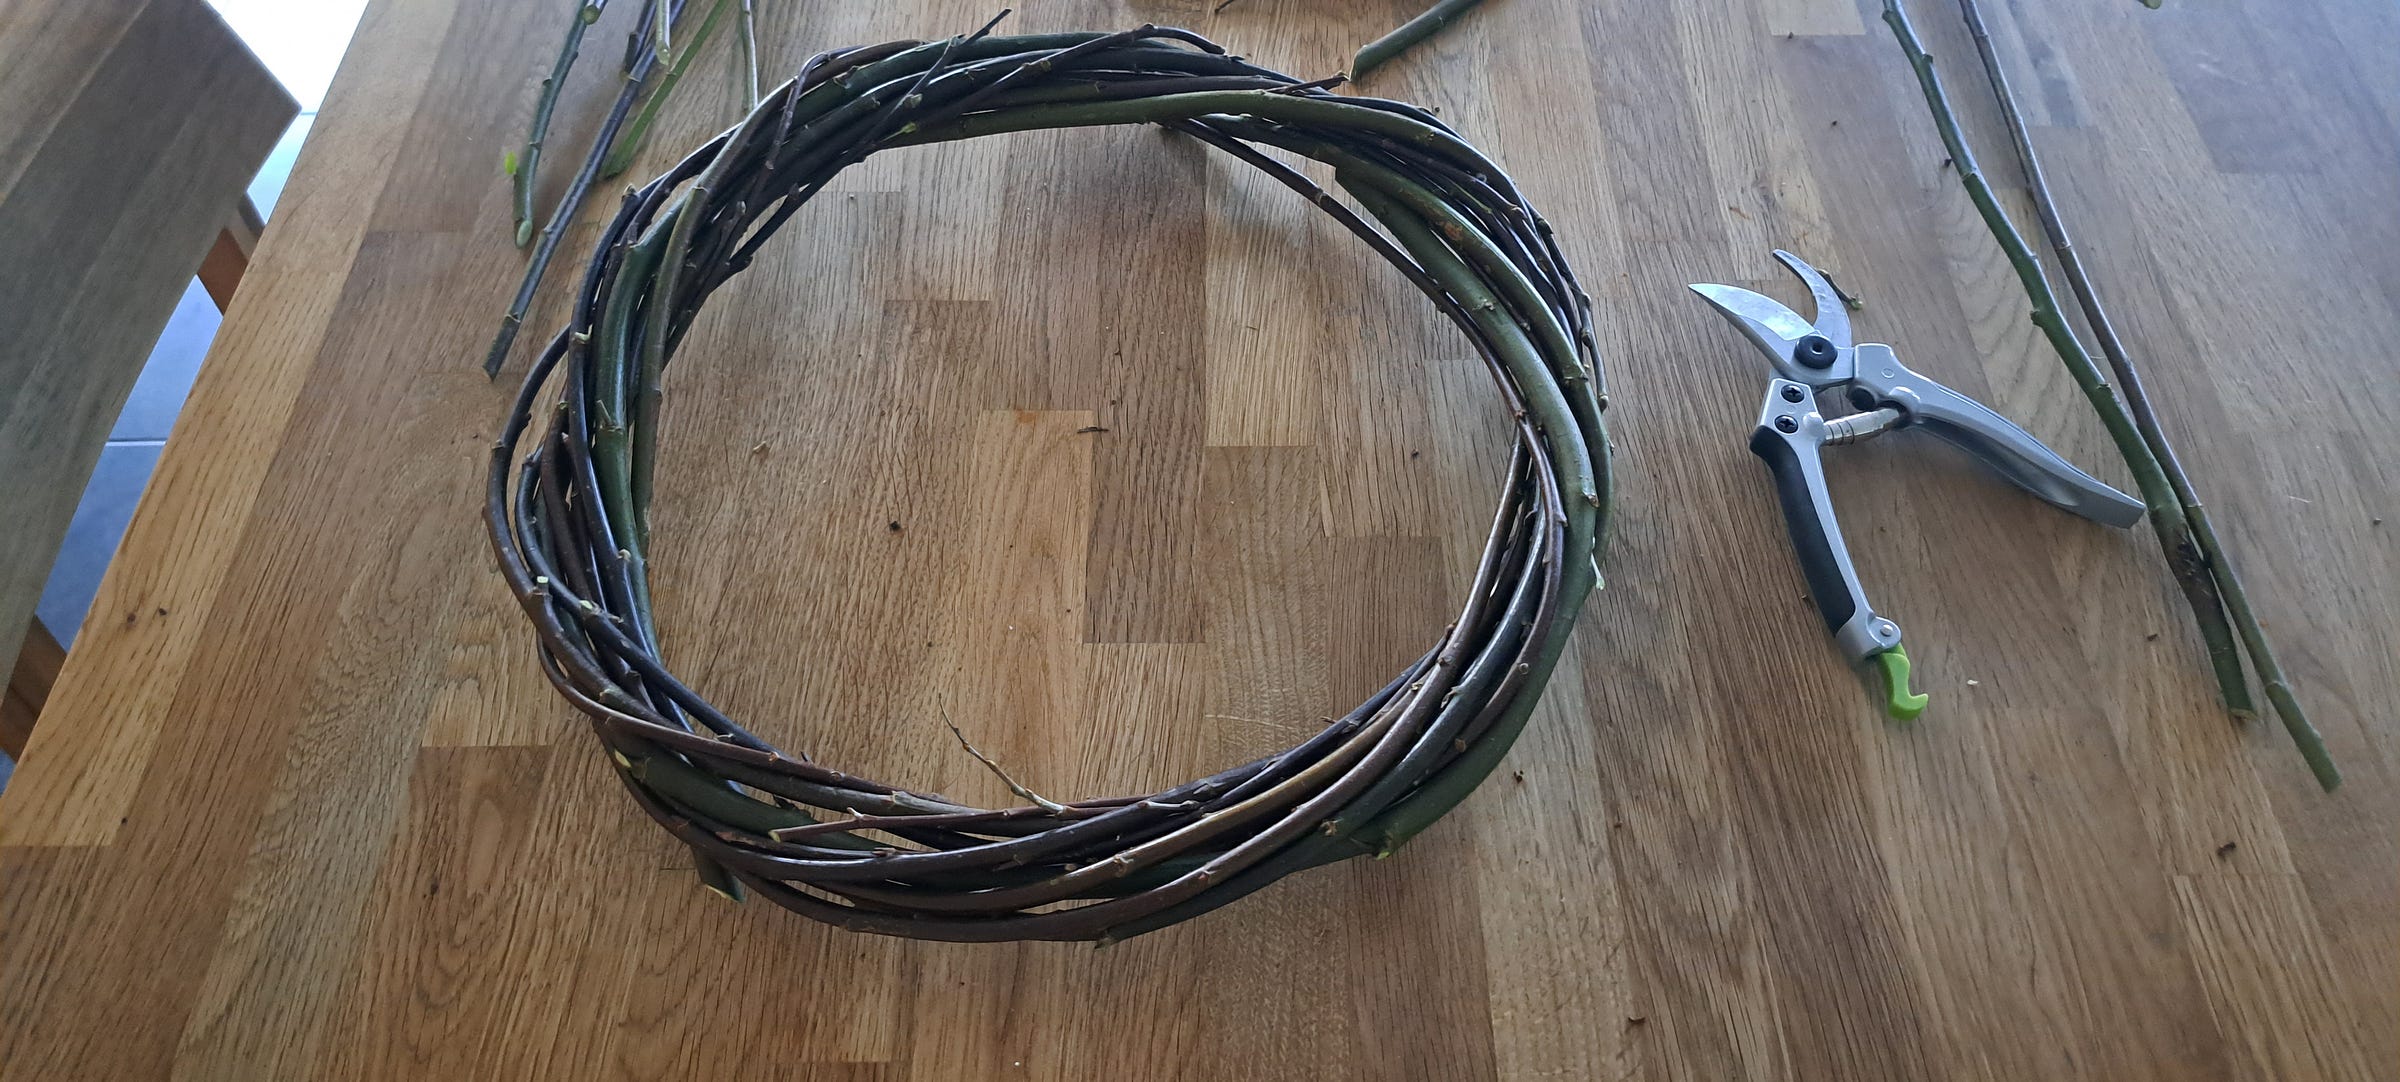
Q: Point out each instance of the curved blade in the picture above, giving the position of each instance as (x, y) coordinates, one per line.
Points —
(1833, 315)
(1765, 321)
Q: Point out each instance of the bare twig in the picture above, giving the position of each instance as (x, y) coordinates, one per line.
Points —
(2209, 551)
(1014, 786)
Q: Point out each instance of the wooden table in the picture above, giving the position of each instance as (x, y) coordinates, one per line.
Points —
(305, 808)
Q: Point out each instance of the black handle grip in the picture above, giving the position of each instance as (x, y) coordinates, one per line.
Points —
(1815, 538)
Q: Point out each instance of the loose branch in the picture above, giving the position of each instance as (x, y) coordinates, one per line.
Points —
(637, 40)
(571, 202)
(1426, 25)
(2210, 553)
(2167, 516)
(587, 13)
(748, 31)
(621, 157)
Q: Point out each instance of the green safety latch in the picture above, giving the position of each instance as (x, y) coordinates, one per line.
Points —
(1899, 701)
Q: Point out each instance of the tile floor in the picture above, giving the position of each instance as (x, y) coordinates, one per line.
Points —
(301, 41)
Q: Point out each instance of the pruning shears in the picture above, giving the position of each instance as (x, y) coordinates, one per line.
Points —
(1814, 357)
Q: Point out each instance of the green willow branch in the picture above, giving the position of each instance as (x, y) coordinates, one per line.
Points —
(587, 13)
(747, 30)
(570, 203)
(621, 157)
(1381, 50)
(2210, 551)
(2167, 517)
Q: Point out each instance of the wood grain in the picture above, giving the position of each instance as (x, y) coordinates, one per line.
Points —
(314, 813)
(128, 129)
(39, 660)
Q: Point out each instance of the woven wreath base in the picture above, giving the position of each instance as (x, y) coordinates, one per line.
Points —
(569, 516)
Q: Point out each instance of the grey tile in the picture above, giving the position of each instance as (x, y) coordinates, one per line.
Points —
(92, 536)
(267, 186)
(166, 378)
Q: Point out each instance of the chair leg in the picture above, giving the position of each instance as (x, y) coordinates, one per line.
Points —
(29, 685)
(221, 270)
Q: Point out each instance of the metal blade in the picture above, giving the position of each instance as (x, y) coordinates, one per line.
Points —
(1766, 322)
(1833, 316)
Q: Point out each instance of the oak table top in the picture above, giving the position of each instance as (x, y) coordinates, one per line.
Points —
(303, 806)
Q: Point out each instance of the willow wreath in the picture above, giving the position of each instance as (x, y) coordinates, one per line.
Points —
(569, 520)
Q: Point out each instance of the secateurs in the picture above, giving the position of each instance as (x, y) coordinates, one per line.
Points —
(1811, 358)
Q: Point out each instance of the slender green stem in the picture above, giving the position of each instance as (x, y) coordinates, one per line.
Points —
(662, 28)
(1376, 52)
(2200, 566)
(586, 13)
(2210, 552)
(569, 203)
(747, 30)
(2176, 531)
(628, 145)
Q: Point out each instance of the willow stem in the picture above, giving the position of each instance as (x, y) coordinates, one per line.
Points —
(587, 12)
(621, 156)
(638, 38)
(569, 204)
(2209, 551)
(1377, 52)
(747, 30)
(2193, 565)
(2167, 515)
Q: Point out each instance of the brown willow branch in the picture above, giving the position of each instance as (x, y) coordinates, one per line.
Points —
(2210, 552)
(1375, 53)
